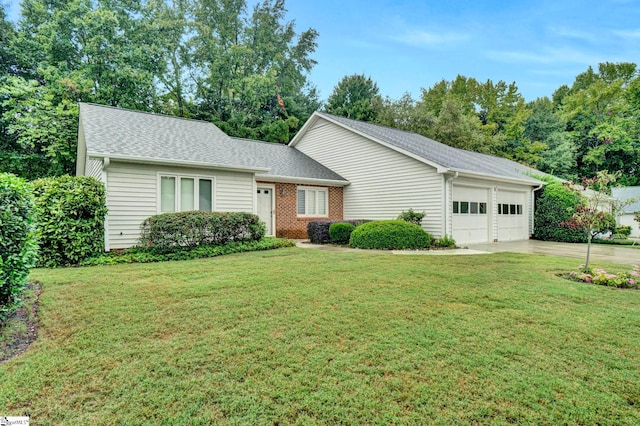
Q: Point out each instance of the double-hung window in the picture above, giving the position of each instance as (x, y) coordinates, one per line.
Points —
(313, 202)
(184, 193)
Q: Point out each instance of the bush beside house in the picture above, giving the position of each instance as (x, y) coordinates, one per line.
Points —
(341, 232)
(412, 217)
(318, 230)
(167, 232)
(553, 208)
(390, 235)
(70, 214)
(17, 240)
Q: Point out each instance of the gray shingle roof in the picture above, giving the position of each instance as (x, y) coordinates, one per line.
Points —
(117, 132)
(286, 161)
(446, 156)
(625, 193)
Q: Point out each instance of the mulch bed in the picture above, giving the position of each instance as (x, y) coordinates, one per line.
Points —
(26, 314)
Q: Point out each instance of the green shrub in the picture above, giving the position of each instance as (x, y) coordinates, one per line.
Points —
(318, 230)
(553, 208)
(412, 217)
(341, 232)
(17, 240)
(169, 232)
(622, 232)
(444, 242)
(390, 235)
(70, 214)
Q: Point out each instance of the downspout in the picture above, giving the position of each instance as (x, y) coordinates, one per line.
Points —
(533, 206)
(447, 209)
(105, 165)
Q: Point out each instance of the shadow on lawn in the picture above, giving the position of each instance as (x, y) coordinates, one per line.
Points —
(21, 329)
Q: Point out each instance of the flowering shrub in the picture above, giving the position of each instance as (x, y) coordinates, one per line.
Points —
(602, 277)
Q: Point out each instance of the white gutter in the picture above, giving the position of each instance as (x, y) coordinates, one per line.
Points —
(164, 161)
(496, 178)
(301, 180)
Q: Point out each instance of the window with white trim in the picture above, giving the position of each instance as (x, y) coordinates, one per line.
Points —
(510, 209)
(469, 207)
(313, 202)
(179, 193)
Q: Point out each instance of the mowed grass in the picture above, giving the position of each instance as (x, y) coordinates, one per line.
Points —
(297, 336)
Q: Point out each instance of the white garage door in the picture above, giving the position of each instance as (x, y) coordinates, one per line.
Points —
(513, 220)
(470, 214)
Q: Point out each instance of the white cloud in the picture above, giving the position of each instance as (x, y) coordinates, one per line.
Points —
(628, 34)
(361, 44)
(421, 38)
(574, 34)
(548, 56)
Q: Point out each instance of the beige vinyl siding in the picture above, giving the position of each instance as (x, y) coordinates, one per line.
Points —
(133, 196)
(384, 182)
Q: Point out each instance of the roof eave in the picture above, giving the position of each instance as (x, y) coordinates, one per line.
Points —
(301, 180)
(174, 162)
(499, 178)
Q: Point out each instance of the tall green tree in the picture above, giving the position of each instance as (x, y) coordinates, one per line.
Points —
(545, 130)
(404, 114)
(602, 121)
(254, 69)
(357, 97)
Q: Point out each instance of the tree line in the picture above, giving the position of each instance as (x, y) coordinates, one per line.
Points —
(246, 69)
(590, 126)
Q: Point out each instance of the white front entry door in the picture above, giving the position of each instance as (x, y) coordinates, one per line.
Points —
(265, 207)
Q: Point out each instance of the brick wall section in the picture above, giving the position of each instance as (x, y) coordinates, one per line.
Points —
(288, 224)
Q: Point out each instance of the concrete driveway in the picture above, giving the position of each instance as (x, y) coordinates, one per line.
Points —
(602, 252)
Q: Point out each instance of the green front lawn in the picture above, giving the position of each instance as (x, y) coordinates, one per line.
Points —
(317, 337)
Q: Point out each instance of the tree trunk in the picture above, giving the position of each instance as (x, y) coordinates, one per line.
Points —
(586, 264)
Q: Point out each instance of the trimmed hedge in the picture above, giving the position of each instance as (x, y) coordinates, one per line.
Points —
(390, 235)
(318, 230)
(17, 240)
(70, 214)
(554, 207)
(341, 232)
(169, 232)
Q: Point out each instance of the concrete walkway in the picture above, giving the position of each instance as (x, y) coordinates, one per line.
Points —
(600, 252)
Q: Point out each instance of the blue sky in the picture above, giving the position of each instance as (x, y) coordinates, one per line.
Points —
(408, 45)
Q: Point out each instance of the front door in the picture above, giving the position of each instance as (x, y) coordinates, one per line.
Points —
(265, 207)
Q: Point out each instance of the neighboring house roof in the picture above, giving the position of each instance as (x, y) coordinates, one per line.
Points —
(286, 162)
(153, 138)
(624, 193)
(444, 157)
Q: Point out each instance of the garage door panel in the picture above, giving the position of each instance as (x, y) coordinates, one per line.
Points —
(470, 222)
(513, 223)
